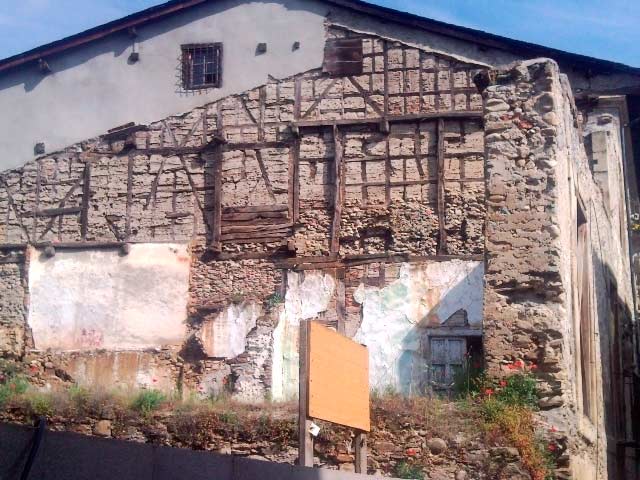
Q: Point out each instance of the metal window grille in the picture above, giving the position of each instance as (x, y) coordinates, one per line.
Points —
(201, 66)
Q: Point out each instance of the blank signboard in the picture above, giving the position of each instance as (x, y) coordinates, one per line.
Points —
(338, 378)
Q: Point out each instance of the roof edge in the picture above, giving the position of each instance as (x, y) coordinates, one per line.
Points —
(388, 14)
(130, 21)
(481, 37)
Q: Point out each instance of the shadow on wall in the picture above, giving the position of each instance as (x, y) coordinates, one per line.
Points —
(397, 318)
(123, 42)
(619, 386)
(455, 309)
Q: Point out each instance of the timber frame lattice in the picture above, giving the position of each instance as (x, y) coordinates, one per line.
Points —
(313, 170)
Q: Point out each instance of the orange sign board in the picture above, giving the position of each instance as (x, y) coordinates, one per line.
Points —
(338, 378)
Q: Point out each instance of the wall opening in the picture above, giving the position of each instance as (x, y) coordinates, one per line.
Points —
(585, 316)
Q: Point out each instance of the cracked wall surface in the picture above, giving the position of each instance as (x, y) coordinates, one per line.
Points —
(262, 194)
(396, 319)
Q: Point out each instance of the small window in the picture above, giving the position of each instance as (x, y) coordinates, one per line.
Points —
(201, 66)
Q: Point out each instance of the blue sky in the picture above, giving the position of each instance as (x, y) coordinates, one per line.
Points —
(605, 29)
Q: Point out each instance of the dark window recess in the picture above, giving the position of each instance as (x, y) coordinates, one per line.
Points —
(201, 66)
(343, 56)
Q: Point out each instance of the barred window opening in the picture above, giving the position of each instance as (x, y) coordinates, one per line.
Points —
(201, 66)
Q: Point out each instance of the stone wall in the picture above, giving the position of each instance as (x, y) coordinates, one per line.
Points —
(540, 287)
(13, 285)
(347, 179)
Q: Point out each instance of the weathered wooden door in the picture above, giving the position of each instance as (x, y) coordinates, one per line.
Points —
(446, 359)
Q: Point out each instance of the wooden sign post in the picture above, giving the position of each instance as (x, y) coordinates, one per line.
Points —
(305, 448)
(334, 386)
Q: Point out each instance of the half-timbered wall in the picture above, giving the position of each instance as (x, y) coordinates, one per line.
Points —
(314, 172)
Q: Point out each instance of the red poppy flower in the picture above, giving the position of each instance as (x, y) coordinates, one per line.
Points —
(503, 383)
(552, 447)
(411, 452)
(488, 392)
(518, 364)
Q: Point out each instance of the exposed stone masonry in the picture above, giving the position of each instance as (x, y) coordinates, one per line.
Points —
(535, 309)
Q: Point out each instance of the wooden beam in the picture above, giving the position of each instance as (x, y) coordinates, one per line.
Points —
(232, 238)
(295, 151)
(250, 218)
(34, 232)
(305, 440)
(413, 117)
(216, 221)
(340, 301)
(365, 96)
(54, 212)
(361, 452)
(256, 209)
(320, 98)
(14, 246)
(86, 194)
(262, 103)
(256, 228)
(80, 245)
(385, 59)
(265, 175)
(338, 190)
(229, 146)
(441, 189)
(127, 224)
(63, 202)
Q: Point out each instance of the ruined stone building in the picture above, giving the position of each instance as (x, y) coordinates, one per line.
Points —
(184, 186)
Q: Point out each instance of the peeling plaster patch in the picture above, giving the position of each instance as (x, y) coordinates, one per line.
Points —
(120, 370)
(395, 318)
(83, 300)
(307, 295)
(226, 335)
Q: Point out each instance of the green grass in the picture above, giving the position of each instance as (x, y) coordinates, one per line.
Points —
(148, 401)
(408, 470)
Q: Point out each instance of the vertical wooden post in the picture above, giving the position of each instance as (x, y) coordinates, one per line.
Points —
(361, 452)
(442, 248)
(340, 300)
(305, 440)
(86, 194)
(216, 224)
(338, 197)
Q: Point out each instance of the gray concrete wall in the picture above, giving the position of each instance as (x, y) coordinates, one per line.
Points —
(94, 88)
(71, 456)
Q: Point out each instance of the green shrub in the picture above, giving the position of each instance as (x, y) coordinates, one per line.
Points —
(518, 389)
(148, 401)
(12, 386)
(40, 404)
(408, 470)
(230, 418)
(79, 396)
(274, 299)
(469, 380)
